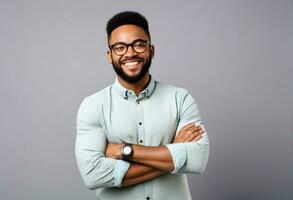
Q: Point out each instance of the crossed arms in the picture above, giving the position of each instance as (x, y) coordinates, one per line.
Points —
(150, 162)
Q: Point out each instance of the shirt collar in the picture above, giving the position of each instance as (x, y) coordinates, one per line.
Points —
(129, 94)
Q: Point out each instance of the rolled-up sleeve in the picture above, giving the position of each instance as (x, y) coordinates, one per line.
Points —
(96, 170)
(189, 157)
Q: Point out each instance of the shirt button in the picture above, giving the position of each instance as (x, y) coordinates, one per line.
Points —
(140, 141)
(137, 102)
(148, 198)
(140, 123)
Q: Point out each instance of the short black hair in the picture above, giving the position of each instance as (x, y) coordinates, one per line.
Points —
(127, 17)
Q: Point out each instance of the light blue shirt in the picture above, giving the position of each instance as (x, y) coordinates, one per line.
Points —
(115, 114)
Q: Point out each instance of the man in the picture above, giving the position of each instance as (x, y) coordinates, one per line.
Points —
(138, 138)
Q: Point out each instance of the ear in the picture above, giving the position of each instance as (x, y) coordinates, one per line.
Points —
(109, 56)
(152, 50)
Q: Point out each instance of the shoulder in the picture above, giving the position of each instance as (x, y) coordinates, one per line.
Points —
(180, 95)
(97, 97)
(171, 89)
(94, 102)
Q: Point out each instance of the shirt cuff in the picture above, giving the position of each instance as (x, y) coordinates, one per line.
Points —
(178, 154)
(120, 169)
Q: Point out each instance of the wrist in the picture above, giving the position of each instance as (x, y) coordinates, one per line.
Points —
(118, 151)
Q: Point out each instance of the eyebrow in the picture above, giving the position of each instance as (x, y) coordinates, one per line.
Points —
(130, 42)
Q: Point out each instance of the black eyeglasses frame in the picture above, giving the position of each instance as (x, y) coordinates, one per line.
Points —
(147, 43)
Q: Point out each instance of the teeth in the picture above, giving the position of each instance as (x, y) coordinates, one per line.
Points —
(130, 63)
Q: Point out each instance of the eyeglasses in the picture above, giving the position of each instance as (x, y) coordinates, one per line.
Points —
(139, 46)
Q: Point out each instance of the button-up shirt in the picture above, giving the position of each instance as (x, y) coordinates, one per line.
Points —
(153, 118)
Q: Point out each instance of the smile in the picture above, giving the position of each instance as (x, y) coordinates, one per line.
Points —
(131, 63)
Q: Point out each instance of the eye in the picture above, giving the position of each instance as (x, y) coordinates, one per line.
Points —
(119, 47)
(139, 44)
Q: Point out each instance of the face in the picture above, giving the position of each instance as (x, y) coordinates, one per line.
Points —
(132, 66)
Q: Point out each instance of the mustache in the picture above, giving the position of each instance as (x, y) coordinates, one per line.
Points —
(132, 58)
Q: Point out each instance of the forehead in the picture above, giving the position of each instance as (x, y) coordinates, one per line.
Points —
(127, 34)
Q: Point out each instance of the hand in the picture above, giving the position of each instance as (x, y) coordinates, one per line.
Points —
(189, 133)
(114, 150)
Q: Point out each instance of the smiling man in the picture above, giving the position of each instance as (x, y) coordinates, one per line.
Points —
(138, 138)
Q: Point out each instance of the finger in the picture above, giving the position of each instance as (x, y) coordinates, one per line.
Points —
(187, 126)
(197, 138)
(194, 135)
(191, 134)
(195, 128)
(191, 131)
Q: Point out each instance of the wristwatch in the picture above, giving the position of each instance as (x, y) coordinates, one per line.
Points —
(127, 152)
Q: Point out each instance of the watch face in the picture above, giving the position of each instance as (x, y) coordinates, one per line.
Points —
(127, 150)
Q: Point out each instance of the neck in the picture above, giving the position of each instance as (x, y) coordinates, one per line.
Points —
(136, 87)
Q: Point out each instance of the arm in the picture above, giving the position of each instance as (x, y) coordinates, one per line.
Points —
(96, 170)
(160, 157)
(190, 157)
(138, 173)
(156, 157)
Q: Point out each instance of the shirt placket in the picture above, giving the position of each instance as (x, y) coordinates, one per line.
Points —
(142, 140)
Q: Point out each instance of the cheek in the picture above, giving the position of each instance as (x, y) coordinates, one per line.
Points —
(148, 57)
(116, 61)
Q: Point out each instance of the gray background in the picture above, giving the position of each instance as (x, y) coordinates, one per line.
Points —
(235, 57)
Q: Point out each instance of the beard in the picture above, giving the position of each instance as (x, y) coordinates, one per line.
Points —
(132, 79)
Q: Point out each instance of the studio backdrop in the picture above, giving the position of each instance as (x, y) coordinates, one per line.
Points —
(234, 57)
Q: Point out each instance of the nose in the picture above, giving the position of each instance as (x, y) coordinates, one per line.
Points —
(130, 52)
